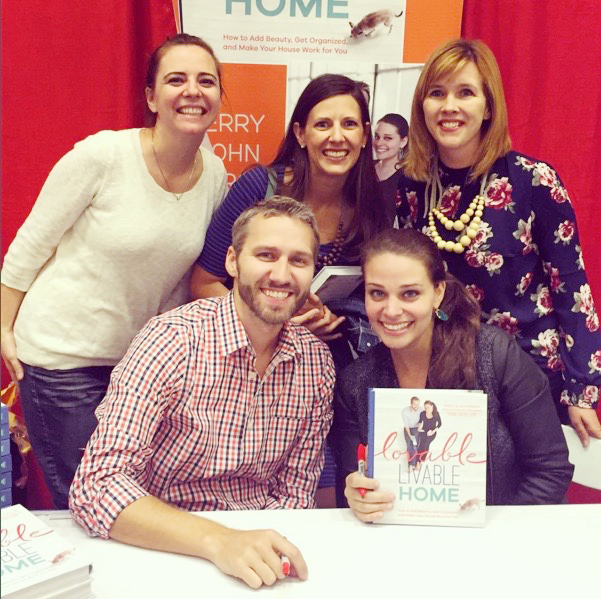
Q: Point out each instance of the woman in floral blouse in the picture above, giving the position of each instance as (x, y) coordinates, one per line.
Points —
(505, 221)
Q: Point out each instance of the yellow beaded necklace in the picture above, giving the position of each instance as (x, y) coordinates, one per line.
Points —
(466, 225)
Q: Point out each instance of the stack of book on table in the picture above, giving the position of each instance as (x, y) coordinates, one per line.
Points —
(37, 563)
(5, 460)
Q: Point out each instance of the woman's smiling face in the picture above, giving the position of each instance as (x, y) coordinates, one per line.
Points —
(333, 136)
(454, 110)
(400, 300)
(387, 141)
(186, 95)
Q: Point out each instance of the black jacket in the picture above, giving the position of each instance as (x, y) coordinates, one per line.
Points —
(527, 461)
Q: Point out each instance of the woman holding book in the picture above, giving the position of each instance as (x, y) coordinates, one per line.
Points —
(424, 317)
(504, 222)
(113, 233)
(325, 160)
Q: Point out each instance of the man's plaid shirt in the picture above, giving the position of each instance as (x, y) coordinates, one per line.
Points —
(187, 419)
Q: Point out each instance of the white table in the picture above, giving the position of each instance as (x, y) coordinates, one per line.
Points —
(533, 552)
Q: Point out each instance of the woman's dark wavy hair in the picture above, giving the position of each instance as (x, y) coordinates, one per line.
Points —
(361, 193)
(398, 121)
(460, 330)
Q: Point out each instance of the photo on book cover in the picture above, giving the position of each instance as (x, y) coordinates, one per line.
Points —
(428, 447)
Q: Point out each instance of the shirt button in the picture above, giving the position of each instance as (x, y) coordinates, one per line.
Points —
(252, 376)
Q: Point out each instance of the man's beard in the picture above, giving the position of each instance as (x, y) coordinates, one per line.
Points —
(270, 314)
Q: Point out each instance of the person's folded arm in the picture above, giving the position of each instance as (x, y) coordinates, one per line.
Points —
(113, 470)
(251, 555)
(204, 284)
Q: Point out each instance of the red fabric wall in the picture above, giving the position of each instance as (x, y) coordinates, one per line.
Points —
(69, 69)
(549, 55)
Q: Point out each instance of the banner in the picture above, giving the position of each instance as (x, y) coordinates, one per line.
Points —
(271, 49)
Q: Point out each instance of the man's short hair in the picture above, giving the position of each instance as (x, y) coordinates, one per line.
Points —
(275, 206)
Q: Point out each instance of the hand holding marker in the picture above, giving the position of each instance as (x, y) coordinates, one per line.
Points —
(361, 465)
(285, 565)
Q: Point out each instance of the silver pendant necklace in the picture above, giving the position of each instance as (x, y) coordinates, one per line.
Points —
(177, 197)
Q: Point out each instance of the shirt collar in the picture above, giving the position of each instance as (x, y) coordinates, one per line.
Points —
(234, 335)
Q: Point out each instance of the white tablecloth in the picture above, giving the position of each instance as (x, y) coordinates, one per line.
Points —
(532, 552)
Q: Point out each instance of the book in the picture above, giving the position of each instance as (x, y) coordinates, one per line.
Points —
(5, 459)
(37, 562)
(437, 472)
(336, 282)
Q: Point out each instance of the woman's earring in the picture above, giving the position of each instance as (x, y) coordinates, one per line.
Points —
(441, 314)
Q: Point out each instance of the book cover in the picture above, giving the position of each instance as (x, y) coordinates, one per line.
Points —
(336, 282)
(36, 560)
(428, 447)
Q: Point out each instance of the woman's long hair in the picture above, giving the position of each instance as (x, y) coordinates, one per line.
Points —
(445, 61)
(361, 194)
(458, 333)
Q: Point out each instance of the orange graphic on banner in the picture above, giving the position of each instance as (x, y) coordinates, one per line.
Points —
(428, 24)
(251, 123)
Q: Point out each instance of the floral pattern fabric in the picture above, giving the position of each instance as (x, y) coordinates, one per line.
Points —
(524, 266)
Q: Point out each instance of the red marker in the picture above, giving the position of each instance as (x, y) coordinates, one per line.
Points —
(285, 565)
(361, 464)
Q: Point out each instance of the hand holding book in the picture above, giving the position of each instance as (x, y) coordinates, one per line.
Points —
(368, 507)
(318, 318)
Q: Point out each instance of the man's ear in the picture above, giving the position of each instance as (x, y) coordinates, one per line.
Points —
(231, 264)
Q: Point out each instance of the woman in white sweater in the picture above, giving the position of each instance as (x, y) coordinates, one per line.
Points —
(108, 244)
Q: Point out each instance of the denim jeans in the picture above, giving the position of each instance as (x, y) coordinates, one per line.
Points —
(59, 412)
(357, 336)
(411, 446)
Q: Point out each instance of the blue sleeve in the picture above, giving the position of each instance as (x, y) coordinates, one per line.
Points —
(246, 191)
(555, 233)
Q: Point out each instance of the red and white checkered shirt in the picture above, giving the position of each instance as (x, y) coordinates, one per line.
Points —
(187, 419)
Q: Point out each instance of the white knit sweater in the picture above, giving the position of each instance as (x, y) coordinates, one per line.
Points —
(104, 249)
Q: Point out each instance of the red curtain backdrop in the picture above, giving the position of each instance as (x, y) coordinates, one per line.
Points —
(549, 54)
(73, 68)
(69, 69)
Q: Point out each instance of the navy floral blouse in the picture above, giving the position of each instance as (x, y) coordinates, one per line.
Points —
(524, 266)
